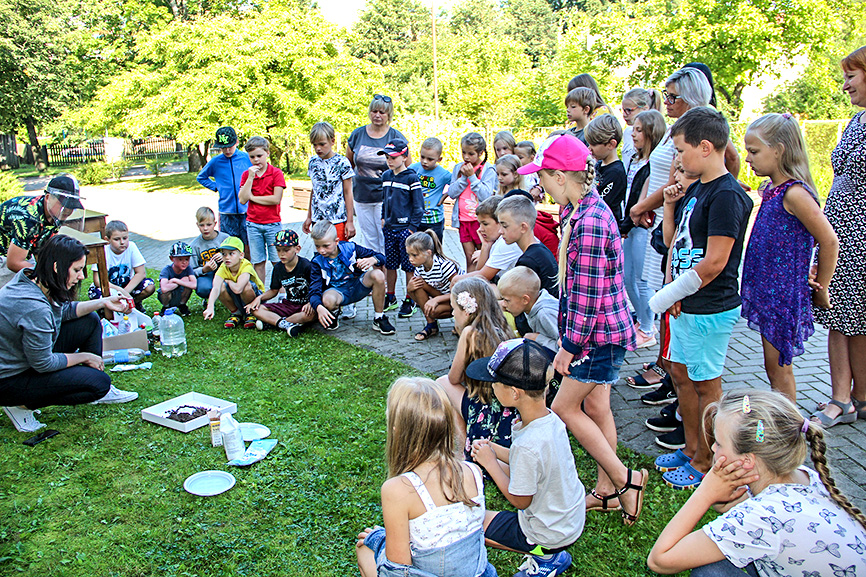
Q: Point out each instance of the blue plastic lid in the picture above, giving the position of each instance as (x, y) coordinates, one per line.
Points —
(169, 312)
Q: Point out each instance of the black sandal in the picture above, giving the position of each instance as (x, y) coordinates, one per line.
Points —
(605, 499)
(627, 518)
(428, 331)
(639, 382)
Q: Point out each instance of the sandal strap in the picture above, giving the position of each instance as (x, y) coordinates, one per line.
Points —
(657, 369)
(605, 499)
(628, 484)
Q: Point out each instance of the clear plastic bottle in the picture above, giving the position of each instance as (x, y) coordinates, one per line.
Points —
(108, 329)
(157, 345)
(125, 326)
(124, 356)
(172, 334)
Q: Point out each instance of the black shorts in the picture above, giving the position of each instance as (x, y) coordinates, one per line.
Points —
(505, 529)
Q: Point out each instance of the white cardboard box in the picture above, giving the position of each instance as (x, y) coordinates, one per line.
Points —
(157, 413)
(137, 339)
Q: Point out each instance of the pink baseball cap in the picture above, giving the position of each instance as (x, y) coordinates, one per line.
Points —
(560, 152)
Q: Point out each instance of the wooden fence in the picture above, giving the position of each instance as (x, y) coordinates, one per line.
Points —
(8, 152)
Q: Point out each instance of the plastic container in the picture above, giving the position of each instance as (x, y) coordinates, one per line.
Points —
(124, 356)
(125, 326)
(157, 346)
(233, 440)
(108, 329)
(172, 335)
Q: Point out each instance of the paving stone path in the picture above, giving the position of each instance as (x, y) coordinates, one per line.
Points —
(158, 219)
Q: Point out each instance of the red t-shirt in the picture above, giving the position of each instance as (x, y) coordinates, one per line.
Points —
(264, 186)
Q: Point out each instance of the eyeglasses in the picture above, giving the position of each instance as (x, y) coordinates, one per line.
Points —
(385, 99)
(671, 98)
(628, 110)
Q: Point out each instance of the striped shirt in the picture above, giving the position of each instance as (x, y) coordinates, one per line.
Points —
(439, 275)
(593, 311)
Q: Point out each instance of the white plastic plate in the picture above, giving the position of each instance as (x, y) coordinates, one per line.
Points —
(209, 483)
(254, 431)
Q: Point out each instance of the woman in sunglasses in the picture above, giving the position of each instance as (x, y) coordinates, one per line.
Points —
(361, 149)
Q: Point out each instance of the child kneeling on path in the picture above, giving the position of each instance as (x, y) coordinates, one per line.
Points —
(540, 478)
(292, 274)
(432, 503)
(235, 284)
(343, 273)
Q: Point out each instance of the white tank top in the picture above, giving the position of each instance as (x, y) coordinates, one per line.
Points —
(441, 526)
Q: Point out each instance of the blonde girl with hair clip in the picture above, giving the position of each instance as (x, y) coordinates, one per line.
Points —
(432, 503)
(634, 102)
(482, 326)
(506, 172)
(430, 287)
(779, 517)
(503, 143)
(472, 181)
(596, 328)
(776, 288)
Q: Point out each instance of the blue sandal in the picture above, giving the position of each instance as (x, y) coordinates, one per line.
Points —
(672, 461)
(685, 477)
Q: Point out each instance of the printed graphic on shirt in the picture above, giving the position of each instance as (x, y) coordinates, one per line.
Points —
(685, 256)
(208, 254)
(368, 162)
(606, 190)
(119, 275)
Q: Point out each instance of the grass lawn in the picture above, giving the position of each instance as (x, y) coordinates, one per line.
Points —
(29, 171)
(105, 497)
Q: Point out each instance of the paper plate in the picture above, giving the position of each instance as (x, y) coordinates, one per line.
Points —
(209, 483)
(254, 431)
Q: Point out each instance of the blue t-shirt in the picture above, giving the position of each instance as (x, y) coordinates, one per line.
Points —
(341, 275)
(168, 272)
(433, 184)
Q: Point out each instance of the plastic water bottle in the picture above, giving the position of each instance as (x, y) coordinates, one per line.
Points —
(124, 356)
(157, 345)
(108, 329)
(172, 334)
(125, 326)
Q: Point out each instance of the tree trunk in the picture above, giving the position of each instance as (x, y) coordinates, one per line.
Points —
(40, 161)
(197, 155)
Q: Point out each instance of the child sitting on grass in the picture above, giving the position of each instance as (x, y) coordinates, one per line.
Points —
(536, 313)
(126, 267)
(293, 275)
(431, 285)
(482, 326)
(537, 474)
(236, 284)
(177, 280)
(343, 273)
(432, 503)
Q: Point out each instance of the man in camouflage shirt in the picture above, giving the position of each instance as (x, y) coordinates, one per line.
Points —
(26, 222)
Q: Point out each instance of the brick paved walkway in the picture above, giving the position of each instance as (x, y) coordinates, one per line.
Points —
(159, 219)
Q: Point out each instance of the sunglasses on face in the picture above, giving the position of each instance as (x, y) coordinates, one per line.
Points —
(670, 98)
(385, 99)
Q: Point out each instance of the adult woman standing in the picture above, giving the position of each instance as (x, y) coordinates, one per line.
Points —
(845, 207)
(41, 327)
(362, 151)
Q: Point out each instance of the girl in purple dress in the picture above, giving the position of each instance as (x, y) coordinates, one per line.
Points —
(777, 288)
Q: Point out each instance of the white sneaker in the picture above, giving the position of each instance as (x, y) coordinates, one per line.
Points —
(644, 340)
(115, 395)
(349, 312)
(23, 419)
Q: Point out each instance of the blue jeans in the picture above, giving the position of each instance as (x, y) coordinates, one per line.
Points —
(234, 225)
(639, 292)
(262, 238)
(464, 558)
(203, 284)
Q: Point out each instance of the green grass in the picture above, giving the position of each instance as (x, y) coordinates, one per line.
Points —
(178, 183)
(29, 171)
(105, 497)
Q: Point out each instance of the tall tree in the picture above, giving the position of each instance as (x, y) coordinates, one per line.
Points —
(532, 22)
(386, 28)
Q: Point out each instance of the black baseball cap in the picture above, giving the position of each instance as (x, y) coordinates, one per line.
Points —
(395, 147)
(520, 363)
(65, 189)
(225, 137)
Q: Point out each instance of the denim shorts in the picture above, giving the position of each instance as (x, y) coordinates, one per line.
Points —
(505, 529)
(262, 241)
(600, 365)
(700, 342)
(352, 291)
(234, 225)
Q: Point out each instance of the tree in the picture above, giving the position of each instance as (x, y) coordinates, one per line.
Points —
(532, 22)
(385, 29)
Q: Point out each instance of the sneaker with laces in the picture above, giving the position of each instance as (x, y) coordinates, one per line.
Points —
(533, 565)
(115, 395)
(663, 395)
(233, 321)
(669, 409)
(350, 312)
(406, 309)
(24, 420)
(250, 322)
(664, 424)
(384, 326)
(390, 303)
(294, 329)
(674, 440)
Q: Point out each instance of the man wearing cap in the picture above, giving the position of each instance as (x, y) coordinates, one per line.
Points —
(27, 222)
(222, 174)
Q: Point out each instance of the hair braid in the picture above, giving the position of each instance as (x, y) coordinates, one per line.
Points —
(815, 438)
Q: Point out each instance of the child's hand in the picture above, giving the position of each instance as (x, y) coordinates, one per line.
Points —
(727, 482)
(254, 171)
(307, 309)
(349, 230)
(415, 283)
(676, 309)
(362, 536)
(537, 193)
(208, 313)
(430, 308)
(482, 453)
(821, 297)
(326, 317)
(562, 361)
(475, 255)
(307, 226)
(254, 304)
(467, 170)
(673, 193)
(365, 264)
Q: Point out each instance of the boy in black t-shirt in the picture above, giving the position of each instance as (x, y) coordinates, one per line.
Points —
(603, 135)
(292, 274)
(704, 227)
(516, 215)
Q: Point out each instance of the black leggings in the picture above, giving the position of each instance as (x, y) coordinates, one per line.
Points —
(71, 386)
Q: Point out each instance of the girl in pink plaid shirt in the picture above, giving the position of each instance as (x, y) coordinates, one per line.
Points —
(595, 324)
